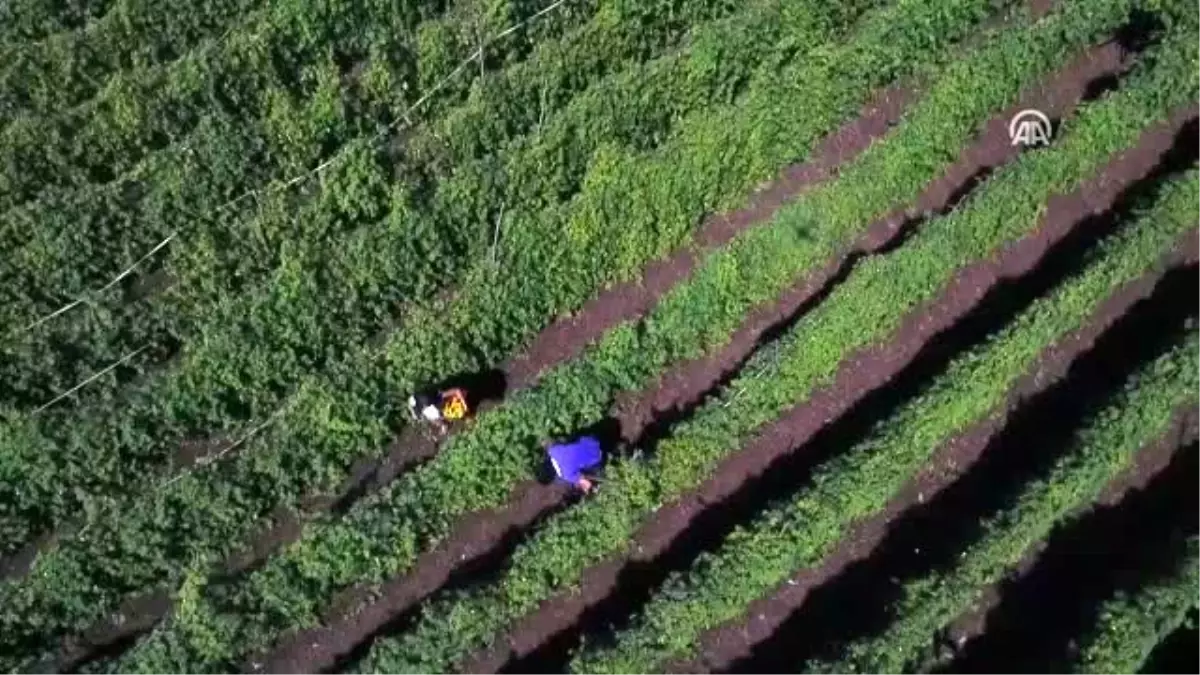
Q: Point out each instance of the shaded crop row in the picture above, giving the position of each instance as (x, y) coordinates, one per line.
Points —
(332, 421)
(1107, 444)
(67, 68)
(803, 529)
(381, 538)
(1131, 624)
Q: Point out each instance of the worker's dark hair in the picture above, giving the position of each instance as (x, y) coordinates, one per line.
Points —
(545, 472)
(423, 399)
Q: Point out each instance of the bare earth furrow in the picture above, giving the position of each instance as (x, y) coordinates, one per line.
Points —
(480, 535)
(477, 537)
(686, 385)
(1037, 420)
(1055, 593)
(729, 644)
(567, 337)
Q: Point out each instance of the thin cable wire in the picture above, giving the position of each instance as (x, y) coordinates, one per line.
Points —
(308, 174)
(404, 117)
(93, 378)
(71, 305)
(205, 461)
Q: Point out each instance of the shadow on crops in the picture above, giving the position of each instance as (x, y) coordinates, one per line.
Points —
(1143, 29)
(709, 527)
(928, 537)
(481, 570)
(1179, 652)
(850, 604)
(417, 442)
(485, 386)
(1118, 547)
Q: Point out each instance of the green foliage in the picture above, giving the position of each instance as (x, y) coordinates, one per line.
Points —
(298, 455)
(801, 530)
(1131, 624)
(864, 309)
(146, 107)
(65, 69)
(336, 282)
(603, 144)
(218, 257)
(1101, 450)
(23, 21)
(478, 466)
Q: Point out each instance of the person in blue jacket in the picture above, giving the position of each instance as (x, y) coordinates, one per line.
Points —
(572, 461)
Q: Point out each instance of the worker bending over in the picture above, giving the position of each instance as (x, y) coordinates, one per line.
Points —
(571, 461)
(449, 405)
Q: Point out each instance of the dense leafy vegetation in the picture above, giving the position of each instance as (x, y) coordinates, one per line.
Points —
(30, 20)
(380, 537)
(1131, 624)
(284, 471)
(67, 68)
(1105, 446)
(143, 109)
(238, 233)
(286, 122)
(859, 482)
(583, 536)
(551, 402)
(253, 350)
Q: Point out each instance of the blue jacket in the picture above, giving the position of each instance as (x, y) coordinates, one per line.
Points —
(570, 460)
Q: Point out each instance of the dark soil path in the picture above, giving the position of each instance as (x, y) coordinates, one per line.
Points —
(1115, 547)
(564, 339)
(1179, 652)
(540, 640)
(320, 648)
(1036, 426)
(871, 369)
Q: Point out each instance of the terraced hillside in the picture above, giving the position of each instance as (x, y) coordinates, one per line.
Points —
(882, 389)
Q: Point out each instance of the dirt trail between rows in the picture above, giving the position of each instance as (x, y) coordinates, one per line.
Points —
(480, 535)
(562, 340)
(685, 385)
(735, 641)
(1029, 622)
(567, 337)
(1147, 465)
